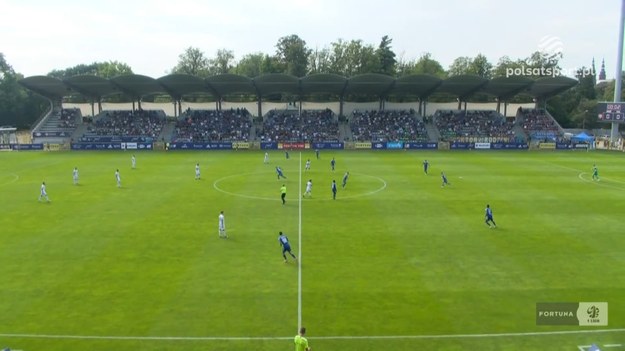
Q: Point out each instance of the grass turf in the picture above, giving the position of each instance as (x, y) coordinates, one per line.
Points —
(394, 255)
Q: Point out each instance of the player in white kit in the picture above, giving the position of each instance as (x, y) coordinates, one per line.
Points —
(222, 225)
(43, 194)
(197, 171)
(118, 178)
(75, 175)
(308, 188)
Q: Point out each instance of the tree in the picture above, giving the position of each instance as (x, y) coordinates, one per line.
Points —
(478, 66)
(18, 107)
(292, 53)
(507, 67)
(192, 61)
(481, 67)
(251, 65)
(5, 68)
(427, 65)
(352, 58)
(319, 61)
(107, 69)
(112, 69)
(586, 86)
(544, 62)
(271, 64)
(605, 91)
(222, 63)
(460, 66)
(386, 57)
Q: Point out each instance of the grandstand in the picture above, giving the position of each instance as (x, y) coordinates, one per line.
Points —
(57, 126)
(539, 125)
(290, 125)
(211, 125)
(143, 125)
(473, 126)
(376, 126)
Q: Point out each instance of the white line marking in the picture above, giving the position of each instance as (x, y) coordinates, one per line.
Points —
(216, 186)
(155, 338)
(342, 337)
(15, 179)
(466, 336)
(612, 345)
(598, 183)
(299, 252)
(583, 347)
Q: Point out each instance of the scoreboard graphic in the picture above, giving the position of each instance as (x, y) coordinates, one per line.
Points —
(611, 111)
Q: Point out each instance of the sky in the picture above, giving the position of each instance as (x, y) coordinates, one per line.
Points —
(38, 36)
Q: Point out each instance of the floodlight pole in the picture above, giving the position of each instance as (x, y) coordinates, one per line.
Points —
(619, 70)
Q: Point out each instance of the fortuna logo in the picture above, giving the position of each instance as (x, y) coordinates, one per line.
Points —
(556, 314)
(593, 311)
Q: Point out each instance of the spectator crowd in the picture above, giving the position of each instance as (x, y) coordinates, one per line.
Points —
(538, 125)
(310, 126)
(143, 123)
(67, 118)
(212, 125)
(385, 126)
(473, 126)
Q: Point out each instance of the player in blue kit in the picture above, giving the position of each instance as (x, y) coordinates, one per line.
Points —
(345, 176)
(286, 247)
(279, 172)
(489, 217)
(332, 163)
(333, 189)
(444, 179)
(426, 165)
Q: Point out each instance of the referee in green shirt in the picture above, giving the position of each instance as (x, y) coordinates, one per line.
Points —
(301, 344)
(283, 193)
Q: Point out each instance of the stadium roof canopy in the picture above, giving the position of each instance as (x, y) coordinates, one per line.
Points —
(226, 84)
(47, 86)
(550, 86)
(323, 83)
(462, 86)
(179, 85)
(421, 85)
(92, 86)
(506, 87)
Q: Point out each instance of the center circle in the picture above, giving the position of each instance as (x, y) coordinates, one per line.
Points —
(270, 182)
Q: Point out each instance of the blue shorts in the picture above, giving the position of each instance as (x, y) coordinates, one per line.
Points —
(286, 248)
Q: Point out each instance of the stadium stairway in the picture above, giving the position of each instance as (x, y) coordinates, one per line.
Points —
(167, 132)
(519, 133)
(253, 131)
(80, 131)
(345, 133)
(433, 134)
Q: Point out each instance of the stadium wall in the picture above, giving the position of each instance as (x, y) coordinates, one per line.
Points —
(348, 107)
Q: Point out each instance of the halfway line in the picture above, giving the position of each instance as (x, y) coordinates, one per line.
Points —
(299, 251)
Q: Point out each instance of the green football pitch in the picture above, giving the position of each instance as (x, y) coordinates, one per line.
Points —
(396, 262)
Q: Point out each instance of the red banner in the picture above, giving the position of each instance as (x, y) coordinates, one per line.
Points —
(291, 146)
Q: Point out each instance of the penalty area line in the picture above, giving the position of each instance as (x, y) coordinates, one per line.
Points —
(342, 337)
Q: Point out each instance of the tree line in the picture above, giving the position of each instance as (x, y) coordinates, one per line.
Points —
(574, 108)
